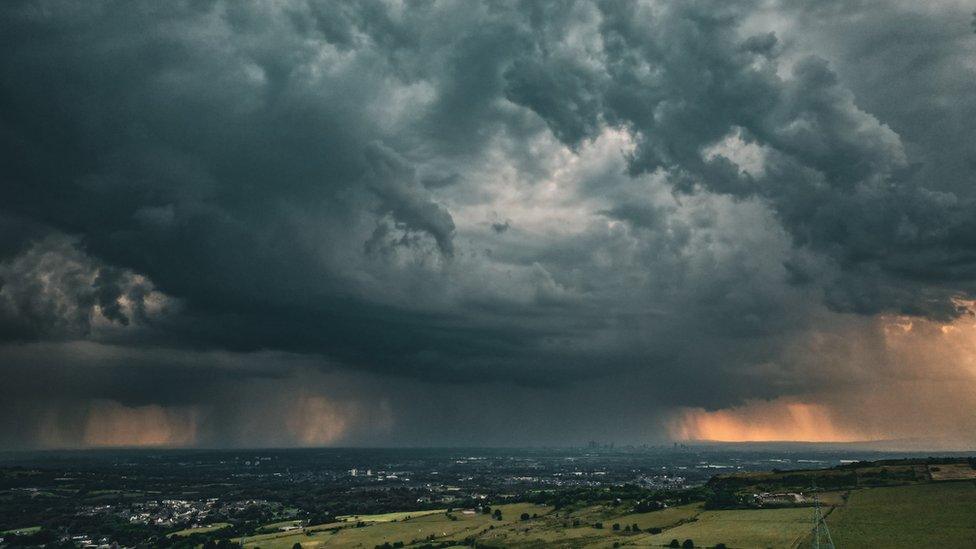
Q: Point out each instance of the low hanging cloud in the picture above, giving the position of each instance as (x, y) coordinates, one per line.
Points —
(678, 218)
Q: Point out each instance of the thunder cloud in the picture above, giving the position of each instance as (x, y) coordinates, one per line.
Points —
(458, 223)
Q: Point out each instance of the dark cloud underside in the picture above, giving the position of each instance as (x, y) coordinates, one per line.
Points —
(629, 208)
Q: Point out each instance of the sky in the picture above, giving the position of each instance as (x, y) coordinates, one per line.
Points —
(437, 223)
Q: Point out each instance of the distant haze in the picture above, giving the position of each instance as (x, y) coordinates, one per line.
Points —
(378, 223)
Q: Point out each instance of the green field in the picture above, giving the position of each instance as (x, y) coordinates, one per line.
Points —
(939, 514)
(739, 528)
(408, 527)
(23, 531)
(390, 517)
(661, 519)
(924, 515)
(279, 539)
(547, 529)
(556, 529)
(200, 529)
(277, 526)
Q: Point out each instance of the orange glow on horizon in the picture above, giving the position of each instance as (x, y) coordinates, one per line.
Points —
(915, 381)
(111, 424)
(761, 421)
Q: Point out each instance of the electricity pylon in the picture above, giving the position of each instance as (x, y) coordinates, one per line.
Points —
(820, 530)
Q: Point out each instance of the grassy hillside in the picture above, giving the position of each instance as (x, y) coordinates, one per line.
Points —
(890, 505)
(200, 529)
(409, 528)
(740, 528)
(925, 515)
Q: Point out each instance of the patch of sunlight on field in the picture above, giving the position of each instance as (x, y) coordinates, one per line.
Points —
(548, 531)
(556, 529)
(922, 515)
(389, 517)
(742, 529)
(23, 531)
(418, 528)
(272, 539)
(952, 471)
(660, 519)
(281, 524)
(200, 530)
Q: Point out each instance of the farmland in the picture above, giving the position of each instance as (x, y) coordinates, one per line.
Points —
(952, 471)
(914, 514)
(407, 527)
(741, 528)
(924, 515)
(200, 529)
(22, 531)
(391, 517)
(444, 498)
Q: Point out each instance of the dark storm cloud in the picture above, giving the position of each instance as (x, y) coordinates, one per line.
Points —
(838, 177)
(190, 148)
(54, 291)
(543, 195)
(405, 200)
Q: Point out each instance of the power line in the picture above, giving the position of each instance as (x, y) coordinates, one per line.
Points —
(820, 530)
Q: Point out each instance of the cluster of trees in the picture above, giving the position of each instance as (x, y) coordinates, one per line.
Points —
(121, 532)
(224, 544)
(723, 498)
(43, 537)
(690, 544)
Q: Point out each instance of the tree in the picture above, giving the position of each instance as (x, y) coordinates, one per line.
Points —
(635, 528)
(616, 526)
(688, 544)
(721, 546)
(722, 498)
(674, 543)
(497, 514)
(296, 546)
(525, 516)
(598, 525)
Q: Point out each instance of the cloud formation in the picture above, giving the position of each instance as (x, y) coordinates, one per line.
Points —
(628, 210)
